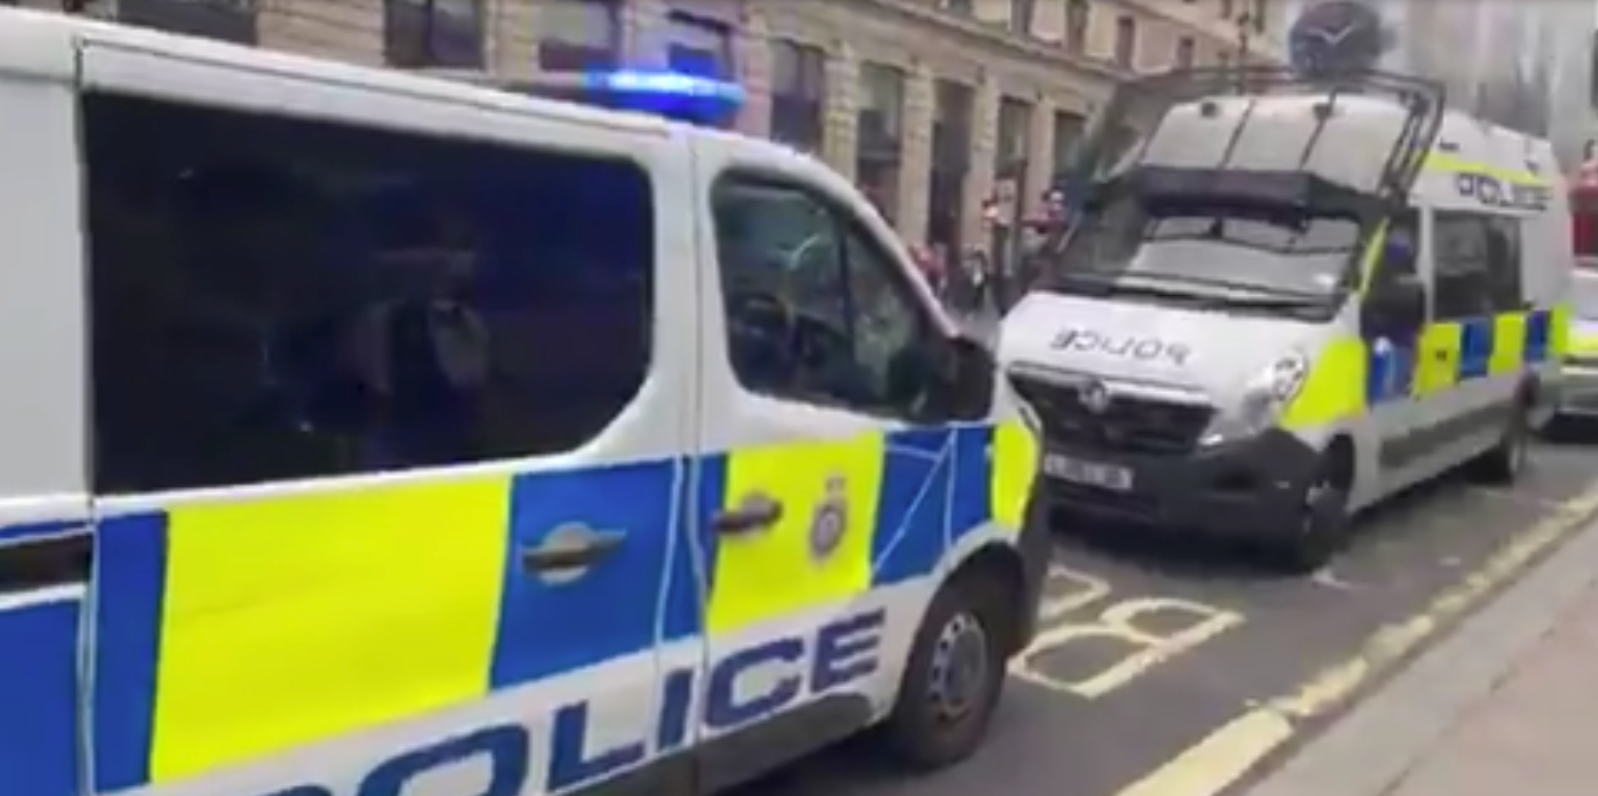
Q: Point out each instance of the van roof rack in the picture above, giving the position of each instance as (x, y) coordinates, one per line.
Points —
(1138, 106)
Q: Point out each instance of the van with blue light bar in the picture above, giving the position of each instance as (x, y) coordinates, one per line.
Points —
(376, 433)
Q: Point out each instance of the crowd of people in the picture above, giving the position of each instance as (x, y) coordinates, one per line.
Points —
(985, 280)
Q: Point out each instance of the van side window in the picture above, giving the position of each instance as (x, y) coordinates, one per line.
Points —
(1504, 265)
(1401, 248)
(817, 309)
(1460, 257)
(279, 299)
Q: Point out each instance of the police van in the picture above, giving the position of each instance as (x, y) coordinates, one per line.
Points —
(375, 435)
(1284, 302)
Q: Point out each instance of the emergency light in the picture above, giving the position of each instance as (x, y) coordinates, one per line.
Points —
(686, 98)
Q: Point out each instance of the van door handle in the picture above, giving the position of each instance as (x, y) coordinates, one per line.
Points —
(756, 512)
(571, 548)
(36, 562)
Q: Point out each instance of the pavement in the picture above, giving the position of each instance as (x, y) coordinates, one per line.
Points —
(1174, 667)
(1506, 701)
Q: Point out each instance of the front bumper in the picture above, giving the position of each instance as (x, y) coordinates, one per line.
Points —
(1248, 489)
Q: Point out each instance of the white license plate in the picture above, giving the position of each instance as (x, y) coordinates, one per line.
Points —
(1078, 471)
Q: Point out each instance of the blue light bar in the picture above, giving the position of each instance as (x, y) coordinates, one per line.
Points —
(687, 98)
(667, 83)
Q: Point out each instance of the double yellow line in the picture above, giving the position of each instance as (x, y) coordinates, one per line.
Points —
(1231, 751)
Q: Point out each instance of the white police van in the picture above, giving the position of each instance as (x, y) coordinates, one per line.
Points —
(377, 435)
(1284, 303)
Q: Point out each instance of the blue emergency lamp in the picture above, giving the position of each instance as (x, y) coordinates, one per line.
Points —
(687, 98)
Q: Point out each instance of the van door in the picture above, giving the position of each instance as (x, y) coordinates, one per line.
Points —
(44, 509)
(389, 434)
(812, 475)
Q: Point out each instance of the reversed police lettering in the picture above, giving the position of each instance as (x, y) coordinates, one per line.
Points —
(1143, 349)
(1494, 192)
(743, 688)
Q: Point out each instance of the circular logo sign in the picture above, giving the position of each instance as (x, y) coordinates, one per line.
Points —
(831, 519)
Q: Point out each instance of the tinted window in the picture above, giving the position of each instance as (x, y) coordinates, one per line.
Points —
(817, 310)
(1461, 252)
(279, 299)
(1503, 264)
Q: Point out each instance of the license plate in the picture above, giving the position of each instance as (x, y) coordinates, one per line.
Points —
(1078, 471)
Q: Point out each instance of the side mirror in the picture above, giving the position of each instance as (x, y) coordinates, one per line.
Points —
(1394, 309)
(973, 375)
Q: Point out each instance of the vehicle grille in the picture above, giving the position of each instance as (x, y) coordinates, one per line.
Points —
(1129, 424)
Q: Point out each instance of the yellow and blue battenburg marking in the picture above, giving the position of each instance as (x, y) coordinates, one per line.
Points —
(1447, 354)
(39, 730)
(228, 631)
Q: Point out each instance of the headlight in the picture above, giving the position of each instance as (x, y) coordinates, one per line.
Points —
(1260, 405)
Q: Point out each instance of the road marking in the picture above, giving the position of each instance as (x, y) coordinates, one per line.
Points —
(1124, 622)
(1229, 752)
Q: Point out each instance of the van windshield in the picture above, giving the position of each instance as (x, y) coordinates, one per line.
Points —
(1214, 247)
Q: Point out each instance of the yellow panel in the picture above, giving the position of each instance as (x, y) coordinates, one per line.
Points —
(1335, 388)
(1437, 358)
(1559, 332)
(290, 619)
(1015, 465)
(1509, 344)
(773, 573)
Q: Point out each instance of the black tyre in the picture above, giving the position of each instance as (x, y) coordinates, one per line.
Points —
(955, 676)
(1507, 460)
(1321, 529)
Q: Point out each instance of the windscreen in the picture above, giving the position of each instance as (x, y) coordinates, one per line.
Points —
(1250, 247)
(1368, 132)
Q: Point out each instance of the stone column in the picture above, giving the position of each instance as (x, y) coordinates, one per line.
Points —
(752, 49)
(984, 148)
(343, 30)
(915, 154)
(1040, 155)
(841, 110)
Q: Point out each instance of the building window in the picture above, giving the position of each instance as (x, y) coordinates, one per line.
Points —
(1186, 48)
(433, 33)
(225, 20)
(1126, 42)
(330, 299)
(700, 46)
(579, 35)
(1068, 128)
(1228, 8)
(1021, 16)
(1078, 16)
(879, 130)
(798, 88)
(1259, 16)
(951, 160)
(962, 7)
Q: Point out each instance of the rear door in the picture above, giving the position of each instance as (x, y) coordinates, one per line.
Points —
(388, 435)
(44, 541)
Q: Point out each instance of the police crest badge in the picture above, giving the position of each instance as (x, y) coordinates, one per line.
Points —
(831, 519)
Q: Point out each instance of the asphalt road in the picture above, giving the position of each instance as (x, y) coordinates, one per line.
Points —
(1151, 644)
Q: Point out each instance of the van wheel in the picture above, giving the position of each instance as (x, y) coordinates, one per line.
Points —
(1322, 526)
(1507, 460)
(955, 676)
